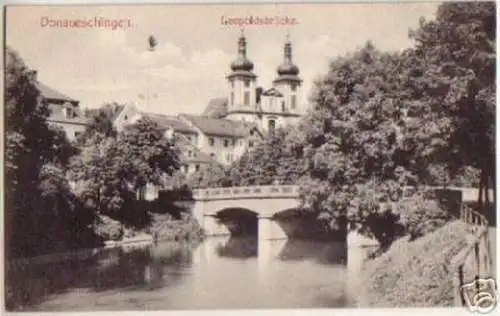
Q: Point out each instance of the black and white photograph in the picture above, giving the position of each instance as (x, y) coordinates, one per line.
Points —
(249, 156)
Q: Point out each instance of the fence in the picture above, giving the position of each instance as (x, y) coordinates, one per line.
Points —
(476, 260)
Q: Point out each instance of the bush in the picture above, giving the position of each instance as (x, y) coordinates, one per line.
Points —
(421, 215)
(109, 229)
(416, 273)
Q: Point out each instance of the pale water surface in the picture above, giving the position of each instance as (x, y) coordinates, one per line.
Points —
(219, 273)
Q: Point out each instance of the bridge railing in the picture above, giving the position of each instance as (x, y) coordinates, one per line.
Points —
(476, 260)
(269, 191)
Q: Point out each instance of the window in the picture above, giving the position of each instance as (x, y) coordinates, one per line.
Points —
(190, 153)
(226, 142)
(77, 134)
(234, 141)
(283, 108)
(294, 101)
(232, 84)
(212, 155)
(294, 87)
(189, 138)
(250, 143)
(232, 98)
(251, 133)
(271, 126)
(247, 83)
(197, 167)
(186, 169)
(246, 100)
(241, 142)
(211, 141)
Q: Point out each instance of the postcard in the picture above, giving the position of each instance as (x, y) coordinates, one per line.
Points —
(266, 156)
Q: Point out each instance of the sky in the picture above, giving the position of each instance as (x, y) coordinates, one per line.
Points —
(195, 48)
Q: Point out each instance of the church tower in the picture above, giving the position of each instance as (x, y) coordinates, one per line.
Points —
(242, 100)
(288, 82)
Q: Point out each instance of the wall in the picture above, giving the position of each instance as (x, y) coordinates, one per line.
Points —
(69, 128)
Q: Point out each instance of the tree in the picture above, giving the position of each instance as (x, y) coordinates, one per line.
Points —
(277, 159)
(147, 156)
(101, 121)
(357, 148)
(31, 145)
(209, 176)
(111, 171)
(457, 51)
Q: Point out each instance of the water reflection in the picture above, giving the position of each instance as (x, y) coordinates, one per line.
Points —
(243, 247)
(247, 273)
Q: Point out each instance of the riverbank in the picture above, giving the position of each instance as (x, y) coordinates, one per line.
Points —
(415, 273)
(161, 227)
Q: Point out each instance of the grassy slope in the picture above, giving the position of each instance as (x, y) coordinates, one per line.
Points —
(415, 274)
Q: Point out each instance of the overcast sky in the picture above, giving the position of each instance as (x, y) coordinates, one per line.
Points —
(194, 48)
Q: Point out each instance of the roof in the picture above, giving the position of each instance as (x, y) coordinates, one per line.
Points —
(216, 108)
(220, 127)
(272, 92)
(118, 108)
(49, 93)
(170, 121)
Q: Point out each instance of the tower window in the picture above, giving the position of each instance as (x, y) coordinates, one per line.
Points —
(246, 100)
(232, 84)
(190, 153)
(197, 167)
(232, 98)
(294, 87)
(294, 101)
(211, 141)
(283, 108)
(247, 83)
(226, 142)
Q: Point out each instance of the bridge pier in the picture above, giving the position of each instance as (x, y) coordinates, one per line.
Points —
(270, 229)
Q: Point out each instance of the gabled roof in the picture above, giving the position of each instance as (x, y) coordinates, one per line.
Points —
(216, 108)
(118, 108)
(220, 127)
(170, 121)
(272, 92)
(49, 93)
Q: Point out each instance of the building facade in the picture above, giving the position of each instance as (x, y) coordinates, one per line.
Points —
(229, 125)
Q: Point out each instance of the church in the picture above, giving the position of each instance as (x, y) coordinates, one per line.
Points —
(232, 124)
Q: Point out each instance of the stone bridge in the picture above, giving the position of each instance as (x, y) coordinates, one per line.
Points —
(256, 206)
(271, 212)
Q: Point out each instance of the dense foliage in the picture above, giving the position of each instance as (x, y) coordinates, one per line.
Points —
(112, 172)
(36, 154)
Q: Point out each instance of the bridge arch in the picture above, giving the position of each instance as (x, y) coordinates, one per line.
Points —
(239, 221)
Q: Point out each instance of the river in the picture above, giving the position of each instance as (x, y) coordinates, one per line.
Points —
(219, 273)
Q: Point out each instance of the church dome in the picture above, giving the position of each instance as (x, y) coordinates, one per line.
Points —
(242, 63)
(288, 68)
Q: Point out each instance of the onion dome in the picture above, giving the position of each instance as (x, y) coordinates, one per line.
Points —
(242, 63)
(288, 67)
